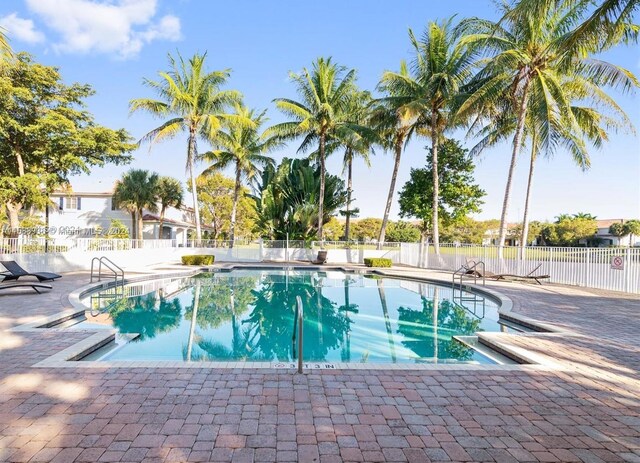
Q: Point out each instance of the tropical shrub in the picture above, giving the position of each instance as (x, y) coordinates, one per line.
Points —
(377, 262)
(205, 259)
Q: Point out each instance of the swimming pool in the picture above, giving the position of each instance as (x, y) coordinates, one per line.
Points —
(250, 315)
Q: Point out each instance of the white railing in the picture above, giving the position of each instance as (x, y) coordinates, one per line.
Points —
(587, 267)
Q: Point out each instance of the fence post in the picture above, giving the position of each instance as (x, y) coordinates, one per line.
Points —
(627, 270)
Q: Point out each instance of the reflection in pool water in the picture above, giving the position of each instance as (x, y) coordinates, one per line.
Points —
(249, 315)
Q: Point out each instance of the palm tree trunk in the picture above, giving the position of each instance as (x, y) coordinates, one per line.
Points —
(517, 142)
(525, 219)
(392, 187)
(234, 208)
(194, 191)
(436, 190)
(134, 226)
(347, 224)
(321, 199)
(161, 223)
(139, 227)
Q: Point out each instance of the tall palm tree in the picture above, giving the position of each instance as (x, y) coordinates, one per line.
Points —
(526, 76)
(323, 92)
(192, 100)
(169, 193)
(396, 118)
(356, 143)
(135, 192)
(594, 114)
(441, 66)
(243, 147)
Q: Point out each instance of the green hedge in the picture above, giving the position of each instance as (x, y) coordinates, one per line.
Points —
(204, 259)
(377, 262)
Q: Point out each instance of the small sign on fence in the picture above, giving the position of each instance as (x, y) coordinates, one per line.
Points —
(617, 263)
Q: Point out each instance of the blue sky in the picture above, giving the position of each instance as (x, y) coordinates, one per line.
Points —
(112, 45)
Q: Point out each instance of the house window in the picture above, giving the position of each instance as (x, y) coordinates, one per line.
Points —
(72, 203)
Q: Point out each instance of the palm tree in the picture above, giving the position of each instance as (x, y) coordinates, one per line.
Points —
(5, 48)
(169, 193)
(324, 94)
(243, 147)
(608, 24)
(194, 102)
(135, 192)
(395, 117)
(442, 65)
(356, 143)
(526, 77)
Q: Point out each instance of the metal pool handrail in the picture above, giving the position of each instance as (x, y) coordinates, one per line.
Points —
(300, 332)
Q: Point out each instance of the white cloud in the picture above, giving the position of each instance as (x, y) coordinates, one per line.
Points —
(120, 27)
(21, 29)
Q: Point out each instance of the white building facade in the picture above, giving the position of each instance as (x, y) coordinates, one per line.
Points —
(83, 214)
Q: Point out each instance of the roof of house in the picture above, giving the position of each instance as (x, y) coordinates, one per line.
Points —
(606, 223)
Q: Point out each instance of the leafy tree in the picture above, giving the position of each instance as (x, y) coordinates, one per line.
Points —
(569, 231)
(46, 135)
(169, 193)
(630, 227)
(618, 229)
(403, 232)
(633, 226)
(459, 195)
(442, 65)
(287, 200)
(245, 149)
(527, 77)
(135, 192)
(192, 100)
(5, 48)
(334, 230)
(366, 229)
(216, 202)
(324, 92)
(467, 230)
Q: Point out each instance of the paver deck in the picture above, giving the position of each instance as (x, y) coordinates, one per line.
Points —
(588, 410)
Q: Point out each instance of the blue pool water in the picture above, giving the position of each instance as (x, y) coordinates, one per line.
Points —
(249, 315)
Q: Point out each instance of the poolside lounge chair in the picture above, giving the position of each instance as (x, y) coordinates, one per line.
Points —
(31, 284)
(14, 271)
(321, 258)
(505, 276)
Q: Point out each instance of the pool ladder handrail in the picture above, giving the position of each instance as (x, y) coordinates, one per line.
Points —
(298, 330)
(115, 269)
(469, 272)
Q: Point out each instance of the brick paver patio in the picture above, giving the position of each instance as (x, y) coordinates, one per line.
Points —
(588, 410)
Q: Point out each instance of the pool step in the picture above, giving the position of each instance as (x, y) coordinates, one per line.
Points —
(474, 343)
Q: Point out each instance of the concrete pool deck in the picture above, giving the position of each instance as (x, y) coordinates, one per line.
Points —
(586, 410)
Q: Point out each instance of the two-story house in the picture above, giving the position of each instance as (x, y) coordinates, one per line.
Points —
(83, 212)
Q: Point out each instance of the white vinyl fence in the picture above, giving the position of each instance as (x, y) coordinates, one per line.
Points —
(588, 267)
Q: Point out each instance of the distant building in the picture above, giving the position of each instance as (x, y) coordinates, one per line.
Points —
(492, 236)
(605, 238)
(85, 212)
